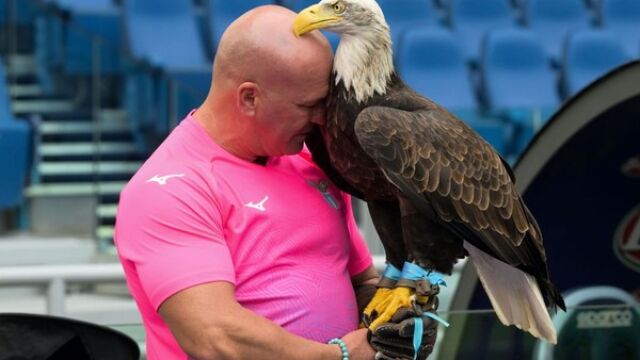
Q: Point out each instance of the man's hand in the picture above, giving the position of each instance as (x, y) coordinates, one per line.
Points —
(394, 340)
(358, 346)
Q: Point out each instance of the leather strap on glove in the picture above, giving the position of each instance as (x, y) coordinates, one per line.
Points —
(395, 339)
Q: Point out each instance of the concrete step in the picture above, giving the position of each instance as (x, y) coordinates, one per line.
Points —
(86, 148)
(42, 106)
(82, 127)
(64, 168)
(107, 210)
(105, 232)
(21, 65)
(76, 188)
(25, 90)
(113, 115)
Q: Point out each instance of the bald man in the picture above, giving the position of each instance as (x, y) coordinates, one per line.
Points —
(234, 243)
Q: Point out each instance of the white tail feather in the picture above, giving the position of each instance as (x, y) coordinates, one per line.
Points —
(514, 294)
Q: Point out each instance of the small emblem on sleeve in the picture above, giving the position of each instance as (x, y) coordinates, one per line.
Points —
(258, 206)
(162, 180)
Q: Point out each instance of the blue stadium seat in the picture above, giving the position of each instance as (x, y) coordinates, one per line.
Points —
(432, 63)
(24, 11)
(518, 83)
(223, 12)
(471, 19)
(588, 55)
(404, 14)
(15, 139)
(552, 20)
(622, 18)
(84, 5)
(297, 5)
(96, 20)
(510, 59)
(165, 33)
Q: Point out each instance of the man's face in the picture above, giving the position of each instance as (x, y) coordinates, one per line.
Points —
(289, 110)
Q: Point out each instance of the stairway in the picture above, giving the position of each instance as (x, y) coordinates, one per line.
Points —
(82, 159)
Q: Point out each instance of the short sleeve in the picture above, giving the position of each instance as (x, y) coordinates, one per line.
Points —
(360, 257)
(172, 234)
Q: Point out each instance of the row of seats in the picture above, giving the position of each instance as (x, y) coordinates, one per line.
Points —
(513, 82)
(176, 22)
(550, 20)
(432, 59)
(15, 140)
(513, 71)
(469, 20)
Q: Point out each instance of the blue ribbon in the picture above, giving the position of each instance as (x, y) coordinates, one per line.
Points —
(392, 272)
(436, 318)
(414, 272)
(417, 336)
(419, 328)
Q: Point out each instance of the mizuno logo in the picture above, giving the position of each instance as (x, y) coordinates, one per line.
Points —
(162, 180)
(259, 206)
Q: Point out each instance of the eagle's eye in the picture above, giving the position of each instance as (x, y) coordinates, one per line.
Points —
(339, 7)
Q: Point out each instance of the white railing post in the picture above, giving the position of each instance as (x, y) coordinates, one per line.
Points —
(55, 297)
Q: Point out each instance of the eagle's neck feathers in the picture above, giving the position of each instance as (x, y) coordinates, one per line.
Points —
(364, 62)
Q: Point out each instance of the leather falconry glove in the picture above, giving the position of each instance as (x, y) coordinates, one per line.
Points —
(395, 340)
(411, 332)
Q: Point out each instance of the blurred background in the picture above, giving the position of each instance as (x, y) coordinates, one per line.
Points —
(89, 88)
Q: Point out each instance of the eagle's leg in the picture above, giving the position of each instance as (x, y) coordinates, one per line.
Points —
(415, 288)
(383, 295)
(387, 221)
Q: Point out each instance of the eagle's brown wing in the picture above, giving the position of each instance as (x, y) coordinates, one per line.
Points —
(446, 169)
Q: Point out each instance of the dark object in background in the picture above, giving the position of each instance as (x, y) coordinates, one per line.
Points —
(40, 337)
(586, 155)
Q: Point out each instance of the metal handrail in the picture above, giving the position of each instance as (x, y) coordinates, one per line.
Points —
(56, 277)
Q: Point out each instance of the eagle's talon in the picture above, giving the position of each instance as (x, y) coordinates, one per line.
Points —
(394, 299)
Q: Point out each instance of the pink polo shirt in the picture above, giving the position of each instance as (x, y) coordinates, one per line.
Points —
(282, 233)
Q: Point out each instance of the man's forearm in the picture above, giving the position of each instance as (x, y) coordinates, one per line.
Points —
(364, 294)
(208, 323)
(364, 285)
(245, 335)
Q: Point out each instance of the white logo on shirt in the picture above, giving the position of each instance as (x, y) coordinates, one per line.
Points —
(259, 206)
(162, 180)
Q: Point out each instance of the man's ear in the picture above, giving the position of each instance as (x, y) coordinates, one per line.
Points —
(247, 98)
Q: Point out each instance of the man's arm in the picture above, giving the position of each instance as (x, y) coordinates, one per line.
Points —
(209, 323)
(364, 285)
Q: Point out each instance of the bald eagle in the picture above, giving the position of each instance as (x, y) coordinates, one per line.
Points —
(436, 190)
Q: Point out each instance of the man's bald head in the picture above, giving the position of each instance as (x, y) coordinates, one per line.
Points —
(260, 46)
(268, 85)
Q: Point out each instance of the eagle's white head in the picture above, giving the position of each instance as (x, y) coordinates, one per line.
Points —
(364, 58)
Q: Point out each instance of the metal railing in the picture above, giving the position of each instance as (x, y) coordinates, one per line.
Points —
(55, 278)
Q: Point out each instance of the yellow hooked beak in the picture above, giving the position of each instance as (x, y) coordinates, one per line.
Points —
(314, 17)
